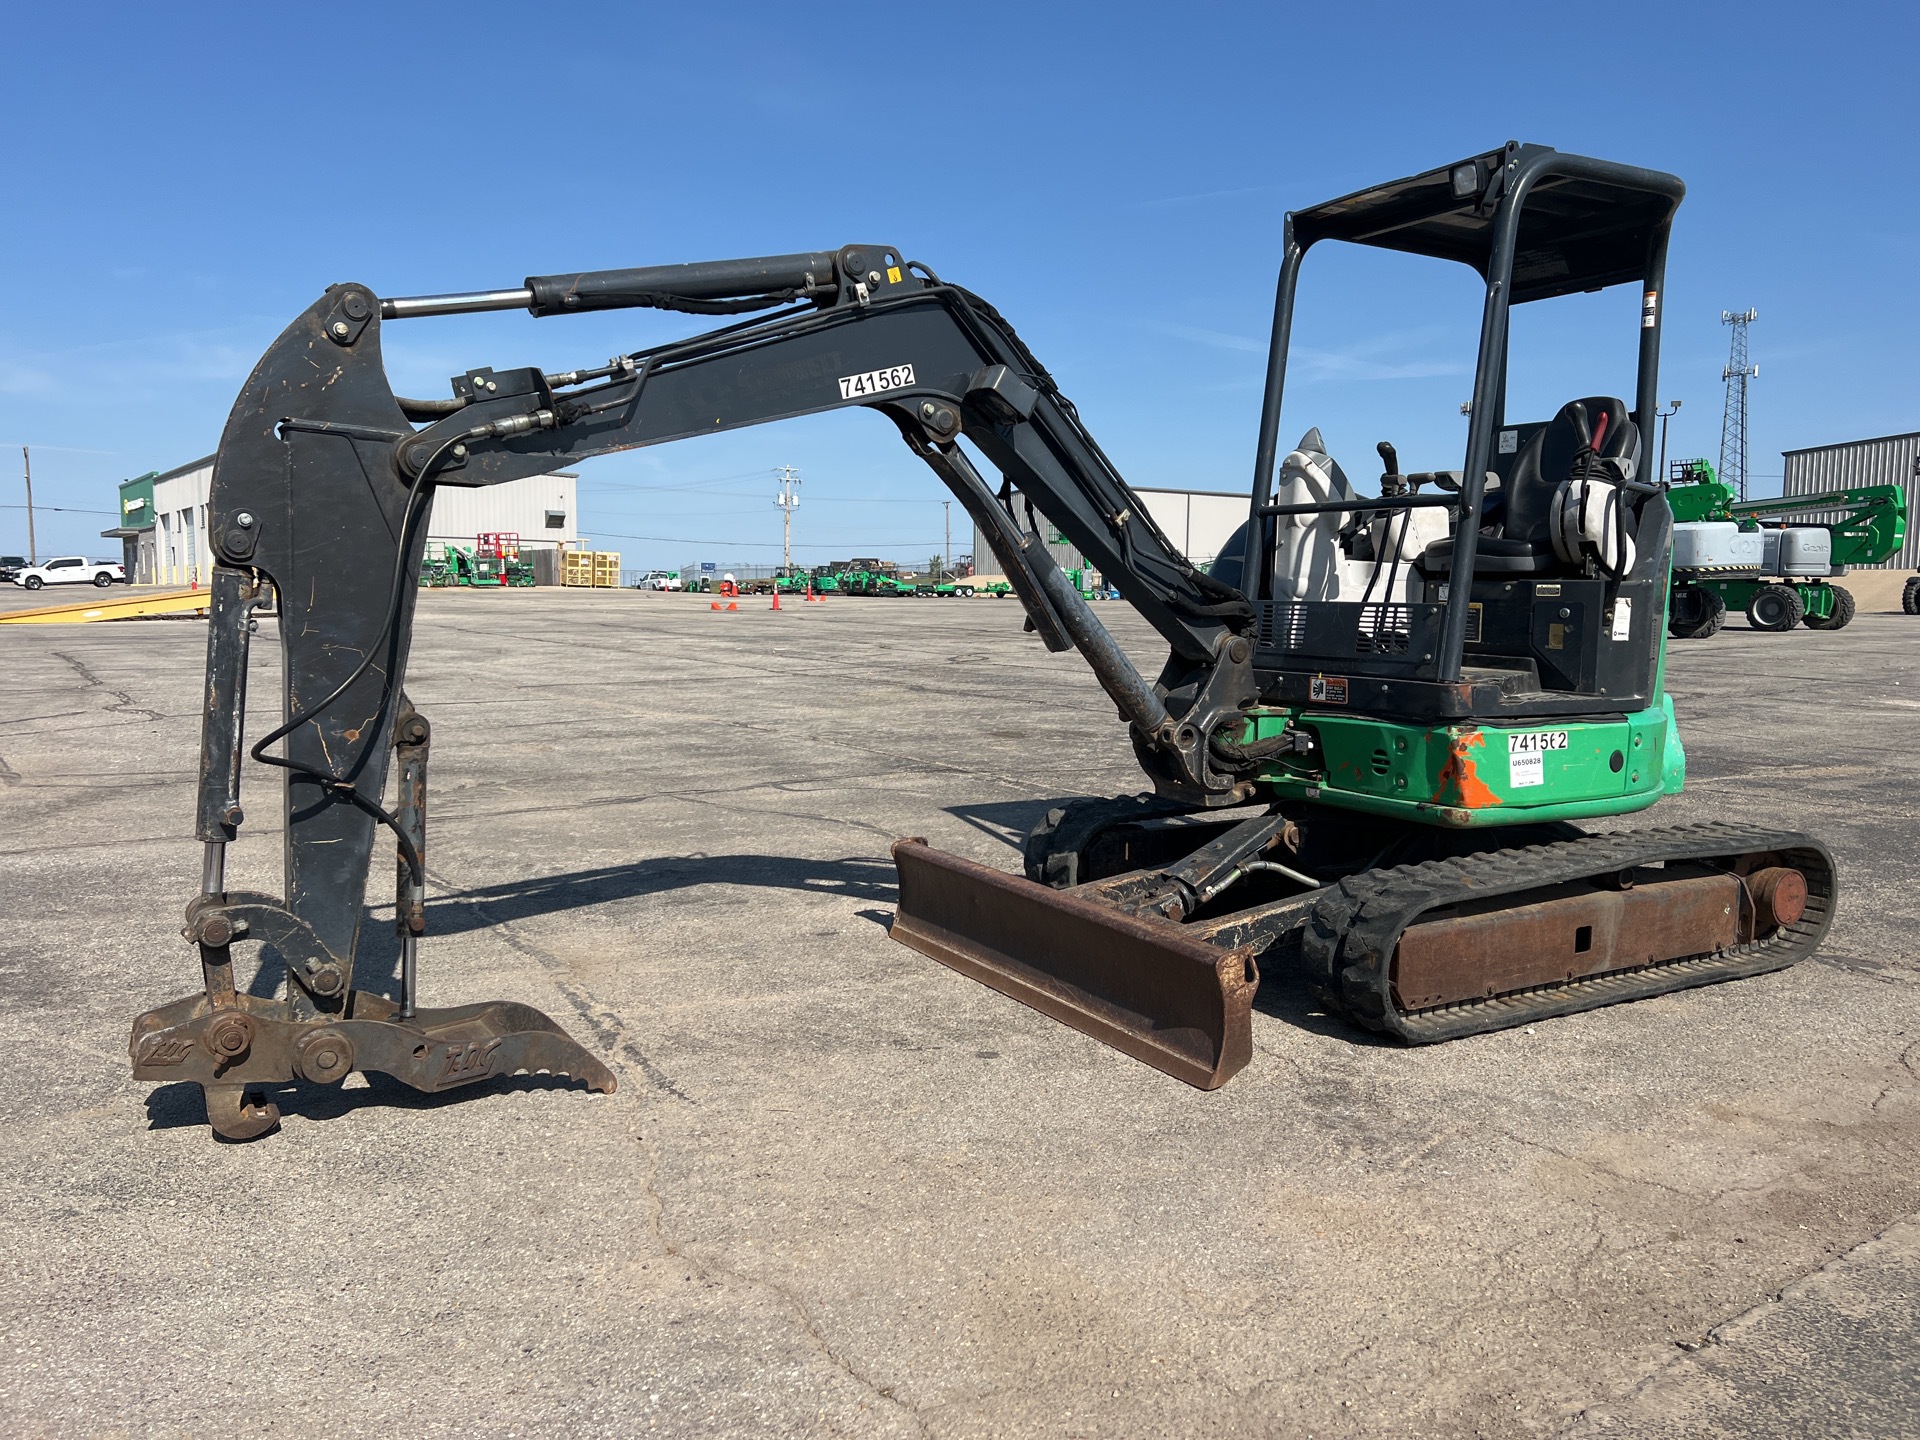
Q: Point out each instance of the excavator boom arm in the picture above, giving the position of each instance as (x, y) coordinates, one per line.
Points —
(322, 478)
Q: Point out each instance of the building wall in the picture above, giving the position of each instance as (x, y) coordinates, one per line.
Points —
(181, 554)
(520, 507)
(135, 530)
(1887, 460)
(136, 502)
(1198, 522)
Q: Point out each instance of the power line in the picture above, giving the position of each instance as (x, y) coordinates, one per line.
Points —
(739, 544)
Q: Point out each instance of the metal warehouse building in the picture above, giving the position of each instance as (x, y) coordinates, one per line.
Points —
(1889, 460)
(1199, 522)
(163, 519)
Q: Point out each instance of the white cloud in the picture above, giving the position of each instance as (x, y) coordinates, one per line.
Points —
(1384, 357)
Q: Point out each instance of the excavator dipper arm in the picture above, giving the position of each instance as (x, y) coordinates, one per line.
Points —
(321, 487)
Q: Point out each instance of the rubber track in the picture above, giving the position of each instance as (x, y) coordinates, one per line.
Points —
(1352, 933)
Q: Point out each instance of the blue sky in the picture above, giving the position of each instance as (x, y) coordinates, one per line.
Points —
(183, 180)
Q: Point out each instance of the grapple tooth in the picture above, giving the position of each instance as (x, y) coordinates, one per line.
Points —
(465, 1044)
(1141, 985)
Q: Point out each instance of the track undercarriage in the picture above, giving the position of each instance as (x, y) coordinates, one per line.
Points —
(1159, 919)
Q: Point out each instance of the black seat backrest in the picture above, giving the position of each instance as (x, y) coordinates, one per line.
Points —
(1547, 461)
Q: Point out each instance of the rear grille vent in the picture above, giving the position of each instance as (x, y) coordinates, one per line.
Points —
(1283, 626)
(1381, 764)
(1349, 636)
(1383, 630)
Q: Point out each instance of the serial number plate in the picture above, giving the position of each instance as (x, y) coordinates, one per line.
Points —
(876, 382)
(1527, 756)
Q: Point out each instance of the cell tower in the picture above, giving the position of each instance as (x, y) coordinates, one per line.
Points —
(1733, 423)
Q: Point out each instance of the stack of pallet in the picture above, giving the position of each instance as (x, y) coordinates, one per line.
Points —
(599, 568)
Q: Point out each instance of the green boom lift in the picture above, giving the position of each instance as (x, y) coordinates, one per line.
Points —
(1778, 574)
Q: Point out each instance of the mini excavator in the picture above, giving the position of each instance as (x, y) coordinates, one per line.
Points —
(1380, 717)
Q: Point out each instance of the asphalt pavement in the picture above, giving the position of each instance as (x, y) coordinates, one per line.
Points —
(843, 1190)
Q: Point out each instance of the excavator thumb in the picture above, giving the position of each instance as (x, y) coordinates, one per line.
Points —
(1137, 982)
(237, 1046)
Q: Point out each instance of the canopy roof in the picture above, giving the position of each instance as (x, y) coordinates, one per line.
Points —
(1584, 223)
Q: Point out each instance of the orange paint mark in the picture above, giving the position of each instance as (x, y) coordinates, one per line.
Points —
(1460, 783)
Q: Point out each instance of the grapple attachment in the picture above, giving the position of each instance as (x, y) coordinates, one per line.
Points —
(235, 1046)
(1138, 983)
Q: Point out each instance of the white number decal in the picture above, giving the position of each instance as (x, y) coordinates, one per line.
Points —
(875, 382)
(1527, 756)
(1535, 740)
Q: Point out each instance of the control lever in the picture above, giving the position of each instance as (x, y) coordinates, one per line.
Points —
(1392, 482)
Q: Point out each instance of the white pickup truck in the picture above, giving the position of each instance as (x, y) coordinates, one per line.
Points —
(70, 570)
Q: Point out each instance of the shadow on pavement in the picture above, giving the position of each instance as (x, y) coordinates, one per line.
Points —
(1007, 821)
(181, 1105)
(858, 877)
(377, 963)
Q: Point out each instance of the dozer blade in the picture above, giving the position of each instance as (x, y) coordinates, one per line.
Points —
(1143, 986)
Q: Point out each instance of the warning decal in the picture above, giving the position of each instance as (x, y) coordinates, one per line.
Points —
(1327, 690)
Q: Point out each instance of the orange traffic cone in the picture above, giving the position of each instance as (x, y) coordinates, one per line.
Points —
(776, 599)
(733, 605)
(714, 606)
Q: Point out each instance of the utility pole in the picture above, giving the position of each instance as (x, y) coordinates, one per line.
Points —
(787, 500)
(1733, 422)
(1665, 415)
(33, 551)
(947, 505)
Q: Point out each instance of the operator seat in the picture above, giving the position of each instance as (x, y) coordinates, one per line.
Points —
(1524, 545)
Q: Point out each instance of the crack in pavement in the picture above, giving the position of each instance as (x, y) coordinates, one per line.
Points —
(1593, 1418)
(605, 1026)
(124, 703)
(1594, 1165)
(1905, 1062)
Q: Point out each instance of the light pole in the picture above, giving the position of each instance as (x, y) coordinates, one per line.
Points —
(1665, 415)
(947, 505)
(33, 547)
(787, 500)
